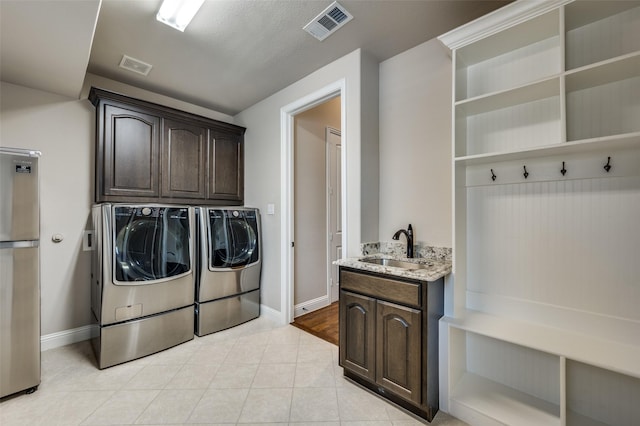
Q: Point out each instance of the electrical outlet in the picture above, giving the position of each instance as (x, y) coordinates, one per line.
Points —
(88, 241)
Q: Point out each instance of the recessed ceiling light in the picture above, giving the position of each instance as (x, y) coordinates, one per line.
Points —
(178, 13)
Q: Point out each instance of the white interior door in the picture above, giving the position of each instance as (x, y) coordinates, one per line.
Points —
(334, 207)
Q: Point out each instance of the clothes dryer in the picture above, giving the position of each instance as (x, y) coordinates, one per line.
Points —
(143, 279)
(230, 263)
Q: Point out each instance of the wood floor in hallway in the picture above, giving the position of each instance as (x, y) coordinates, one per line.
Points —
(322, 323)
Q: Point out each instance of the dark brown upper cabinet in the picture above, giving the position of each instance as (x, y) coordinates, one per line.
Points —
(184, 160)
(151, 153)
(225, 158)
(129, 152)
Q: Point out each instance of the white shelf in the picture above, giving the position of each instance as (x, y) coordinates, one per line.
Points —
(504, 404)
(611, 70)
(617, 142)
(507, 98)
(591, 350)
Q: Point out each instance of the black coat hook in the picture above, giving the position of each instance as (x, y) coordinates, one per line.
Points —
(607, 166)
(493, 175)
(563, 170)
(526, 173)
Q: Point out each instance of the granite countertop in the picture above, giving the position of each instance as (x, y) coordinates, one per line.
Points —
(438, 268)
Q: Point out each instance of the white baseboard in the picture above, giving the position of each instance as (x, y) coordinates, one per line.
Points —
(311, 305)
(67, 337)
(271, 314)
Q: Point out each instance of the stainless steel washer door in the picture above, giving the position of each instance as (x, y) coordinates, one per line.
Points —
(151, 243)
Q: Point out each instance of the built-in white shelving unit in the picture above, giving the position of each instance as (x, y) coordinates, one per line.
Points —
(543, 325)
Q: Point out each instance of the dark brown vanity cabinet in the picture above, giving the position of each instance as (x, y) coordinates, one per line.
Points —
(389, 336)
(149, 153)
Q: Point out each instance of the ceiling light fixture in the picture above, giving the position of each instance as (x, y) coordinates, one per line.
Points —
(178, 13)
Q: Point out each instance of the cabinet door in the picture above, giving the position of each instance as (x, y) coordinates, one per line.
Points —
(129, 144)
(183, 160)
(226, 174)
(357, 334)
(398, 350)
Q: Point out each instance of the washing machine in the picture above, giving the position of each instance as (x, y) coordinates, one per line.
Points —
(142, 279)
(229, 267)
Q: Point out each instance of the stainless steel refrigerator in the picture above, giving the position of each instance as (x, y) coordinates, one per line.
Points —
(19, 271)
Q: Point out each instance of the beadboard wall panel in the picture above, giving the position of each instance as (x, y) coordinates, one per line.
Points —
(604, 110)
(565, 243)
(517, 367)
(526, 125)
(529, 63)
(610, 37)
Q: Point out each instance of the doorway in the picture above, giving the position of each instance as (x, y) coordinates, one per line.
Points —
(316, 214)
(287, 114)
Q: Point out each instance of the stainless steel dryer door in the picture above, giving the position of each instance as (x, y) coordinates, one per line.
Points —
(233, 238)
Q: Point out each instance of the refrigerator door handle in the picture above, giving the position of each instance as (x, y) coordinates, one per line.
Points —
(19, 244)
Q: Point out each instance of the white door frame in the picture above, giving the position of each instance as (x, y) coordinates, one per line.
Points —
(330, 234)
(287, 114)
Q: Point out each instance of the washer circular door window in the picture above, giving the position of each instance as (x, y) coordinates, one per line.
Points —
(233, 239)
(151, 243)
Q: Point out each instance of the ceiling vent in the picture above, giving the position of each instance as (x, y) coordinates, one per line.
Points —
(328, 22)
(135, 65)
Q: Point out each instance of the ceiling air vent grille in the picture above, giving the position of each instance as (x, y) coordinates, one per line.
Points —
(328, 22)
(135, 65)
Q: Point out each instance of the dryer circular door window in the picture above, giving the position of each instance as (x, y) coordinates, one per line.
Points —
(233, 238)
(151, 243)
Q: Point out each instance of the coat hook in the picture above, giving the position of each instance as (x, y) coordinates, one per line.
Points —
(563, 171)
(493, 175)
(526, 173)
(607, 166)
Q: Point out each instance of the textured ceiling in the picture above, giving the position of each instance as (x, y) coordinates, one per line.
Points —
(233, 54)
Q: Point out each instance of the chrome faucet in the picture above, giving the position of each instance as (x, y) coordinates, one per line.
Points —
(409, 234)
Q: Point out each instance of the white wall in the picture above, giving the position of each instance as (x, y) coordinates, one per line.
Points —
(62, 128)
(310, 200)
(415, 144)
(145, 95)
(264, 159)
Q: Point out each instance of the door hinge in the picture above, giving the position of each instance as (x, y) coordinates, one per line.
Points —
(293, 244)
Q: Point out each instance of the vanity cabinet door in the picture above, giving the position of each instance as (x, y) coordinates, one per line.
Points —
(357, 334)
(183, 160)
(398, 349)
(127, 158)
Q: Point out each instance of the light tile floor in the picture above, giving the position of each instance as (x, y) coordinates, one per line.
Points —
(258, 372)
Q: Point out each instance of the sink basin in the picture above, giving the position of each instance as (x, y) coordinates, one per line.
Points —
(396, 263)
